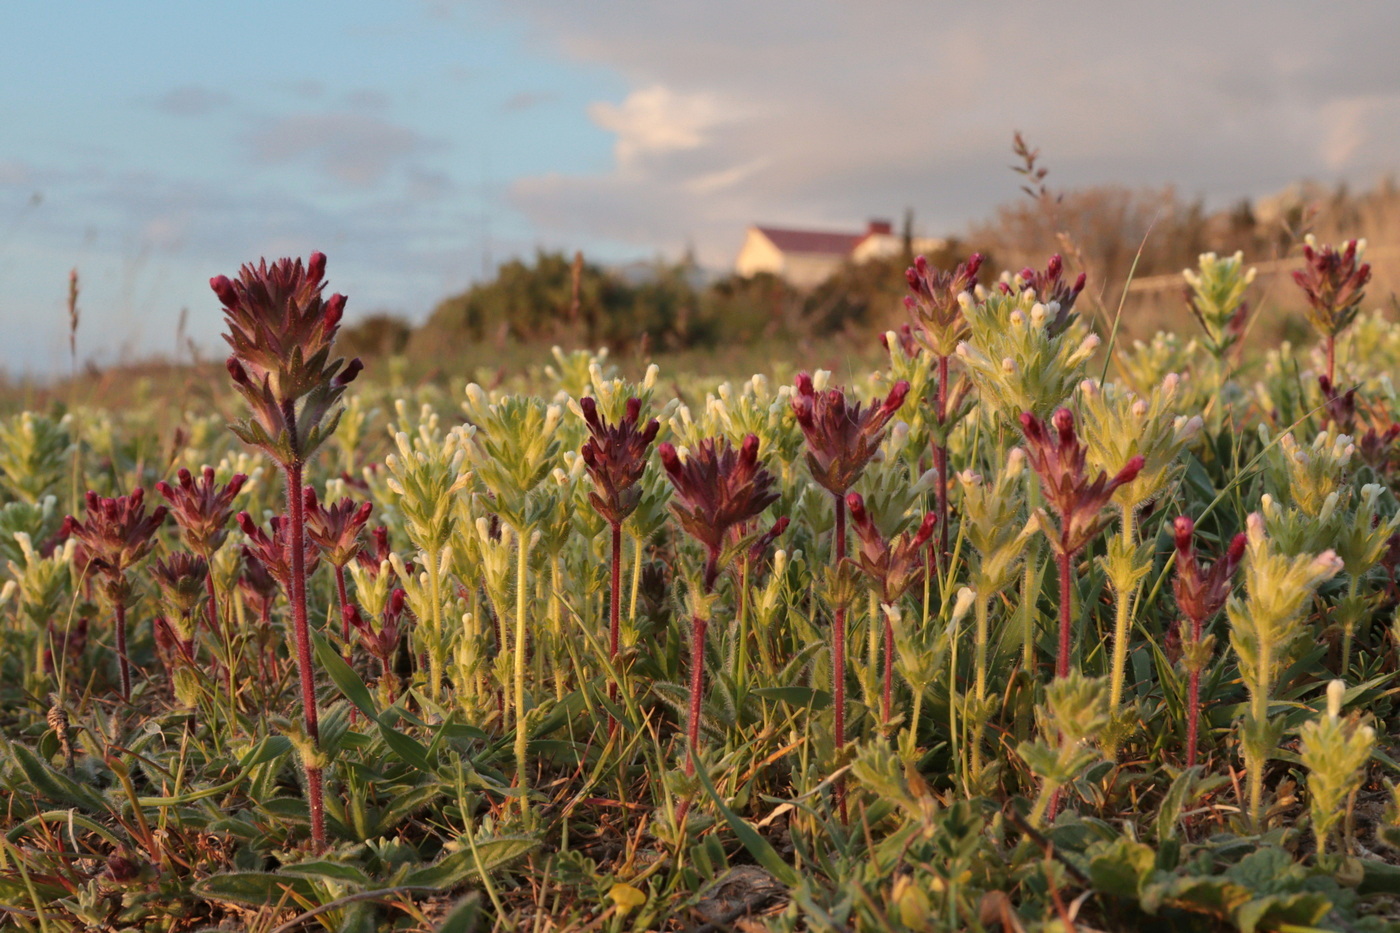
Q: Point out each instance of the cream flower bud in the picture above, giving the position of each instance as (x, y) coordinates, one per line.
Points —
(963, 604)
(1335, 691)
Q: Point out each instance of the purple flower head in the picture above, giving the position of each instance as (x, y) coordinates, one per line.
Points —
(1200, 593)
(896, 564)
(171, 644)
(181, 579)
(1333, 284)
(256, 582)
(934, 304)
(616, 457)
(841, 438)
(202, 508)
(335, 527)
(274, 551)
(1058, 458)
(1050, 286)
(717, 487)
(281, 332)
(383, 642)
(905, 339)
(116, 534)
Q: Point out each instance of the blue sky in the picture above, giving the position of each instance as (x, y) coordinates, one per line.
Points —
(154, 144)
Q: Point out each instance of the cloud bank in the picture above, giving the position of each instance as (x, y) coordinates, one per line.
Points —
(826, 113)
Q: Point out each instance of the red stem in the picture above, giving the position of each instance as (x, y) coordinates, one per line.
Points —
(940, 461)
(1193, 703)
(296, 544)
(1193, 712)
(615, 617)
(1332, 359)
(216, 626)
(1062, 663)
(838, 632)
(889, 671)
(344, 610)
(698, 626)
(122, 661)
(838, 652)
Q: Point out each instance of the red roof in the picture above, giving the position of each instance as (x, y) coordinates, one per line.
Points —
(812, 241)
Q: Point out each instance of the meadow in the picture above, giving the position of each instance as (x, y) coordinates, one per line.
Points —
(1029, 626)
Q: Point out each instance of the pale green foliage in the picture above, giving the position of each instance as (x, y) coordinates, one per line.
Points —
(920, 650)
(1367, 351)
(1215, 294)
(1265, 627)
(995, 523)
(424, 475)
(612, 392)
(1335, 751)
(1305, 477)
(1014, 360)
(757, 408)
(36, 520)
(34, 455)
(1144, 365)
(1361, 539)
(579, 372)
(1267, 621)
(1119, 424)
(44, 582)
(1073, 715)
(514, 448)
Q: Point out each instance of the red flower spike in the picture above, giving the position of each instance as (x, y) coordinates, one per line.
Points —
(336, 527)
(1333, 284)
(202, 508)
(841, 438)
(1060, 461)
(717, 488)
(180, 577)
(1199, 593)
(116, 534)
(273, 551)
(898, 564)
(933, 301)
(616, 457)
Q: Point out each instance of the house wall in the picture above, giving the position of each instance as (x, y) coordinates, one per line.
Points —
(808, 270)
(758, 254)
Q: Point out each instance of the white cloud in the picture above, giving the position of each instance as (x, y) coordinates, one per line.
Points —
(656, 120)
(830, 113)
(354, 148)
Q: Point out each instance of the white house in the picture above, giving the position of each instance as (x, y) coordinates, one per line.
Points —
(806, 258)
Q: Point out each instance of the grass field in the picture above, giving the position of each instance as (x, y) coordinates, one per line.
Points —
(1010, 623)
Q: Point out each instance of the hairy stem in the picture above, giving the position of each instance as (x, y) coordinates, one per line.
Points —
(344, 600)
(296, 545)
(940, 463)
(522, 735)
(1122, 619)
(122, 660)
(615, 618)
(1065, 560)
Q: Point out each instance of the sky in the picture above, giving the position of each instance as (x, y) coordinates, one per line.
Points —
(151, 144)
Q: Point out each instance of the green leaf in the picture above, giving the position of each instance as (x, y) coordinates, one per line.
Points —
(269, 749)
(462, 864)
(334, 871)
(463, 917)
(761, 849)
(51, 785)
(1121, 867)
(408, 749)
(258, 889)
(804, 697)
(344, 677)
